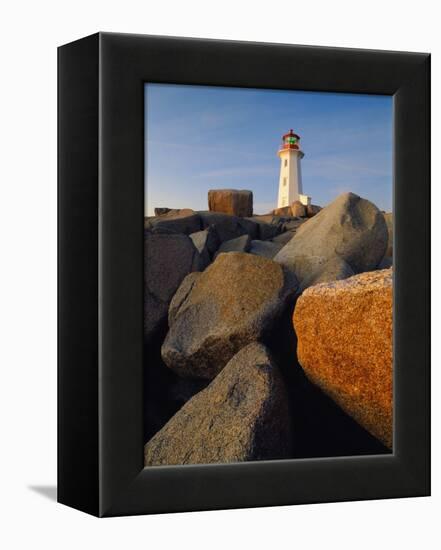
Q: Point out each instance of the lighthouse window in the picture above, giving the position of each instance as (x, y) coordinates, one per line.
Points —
(284, 181)
(286, 162)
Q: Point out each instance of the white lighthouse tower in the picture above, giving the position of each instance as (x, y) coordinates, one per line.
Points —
(290, 182)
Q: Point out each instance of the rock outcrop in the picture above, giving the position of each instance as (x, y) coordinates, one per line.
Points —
(242, 415)
(344, 332)
(231, 201)
(239, 244)
(282, 211)
(206, 243)
(228, 226)
(175, 221)
(350, 228)
(268, 227)
(162, 211)
(267, 249)
(312, 210)
(235, 301)
(323, 270)
(283, 238)
(298, 209)
(168, 258)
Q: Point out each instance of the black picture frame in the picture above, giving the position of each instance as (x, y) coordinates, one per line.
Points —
(100, 284)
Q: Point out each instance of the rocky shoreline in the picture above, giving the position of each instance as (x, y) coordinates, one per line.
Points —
(267, 336)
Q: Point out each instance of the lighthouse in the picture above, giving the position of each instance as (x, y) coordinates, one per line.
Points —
(290, 182)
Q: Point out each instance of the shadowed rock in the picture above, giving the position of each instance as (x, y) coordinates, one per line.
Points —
(168, 258)
(242, 415)
(323, 270)
(239, 244)
(267, 249)
(350, 228)
(175, 221)
(268, 227)
(344, 332)
(162, 211)
(227, 226)
(312, 210)
(283, 238)
(235, 301)
(206, 243)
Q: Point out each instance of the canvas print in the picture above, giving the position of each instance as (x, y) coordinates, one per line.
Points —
(268, 275)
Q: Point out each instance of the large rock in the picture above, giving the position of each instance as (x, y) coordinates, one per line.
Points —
(268, 227)
(323, 271)
(239, 244)
(231, 201)
(283, 238)
(282, 211)
(267, 249)
(206, 243)
(344, 332)
(242, 415)
(312, 210)
(298, 209)
(206, 240)
(175, 221)
(292, 224)
(162, 211)
(388, 216)
(168, 258)
(350, 228)
(237, 300)
(227, 226)
(181, 295)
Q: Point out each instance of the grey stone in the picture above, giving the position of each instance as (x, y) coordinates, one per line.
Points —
(267, 249)
(167, 260)
(175, 221)
(242, 415)
(293, 224)
(351, 228)
(266, 228)
(283, 238)
(324, 271)
(228, 227)
(206, 243)
(206, 239)
(162, 211)
(181, 295)
(237, 300)
(239, 244)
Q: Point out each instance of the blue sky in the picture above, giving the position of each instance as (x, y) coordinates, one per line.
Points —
(199, 138)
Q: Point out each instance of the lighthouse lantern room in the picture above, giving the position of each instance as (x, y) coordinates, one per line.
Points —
(290, 182)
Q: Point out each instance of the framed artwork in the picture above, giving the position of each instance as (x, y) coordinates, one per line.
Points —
(244, 274)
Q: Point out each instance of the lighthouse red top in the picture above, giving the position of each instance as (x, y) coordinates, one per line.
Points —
(290, 140)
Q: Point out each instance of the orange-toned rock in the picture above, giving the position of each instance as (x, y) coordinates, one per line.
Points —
(298, 209)
(231, 201)
(344, 331)
(283, 211)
